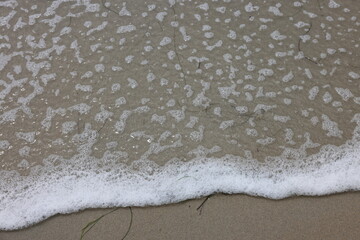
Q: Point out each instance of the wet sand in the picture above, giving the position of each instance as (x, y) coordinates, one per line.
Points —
(304, 62)
(222, 217)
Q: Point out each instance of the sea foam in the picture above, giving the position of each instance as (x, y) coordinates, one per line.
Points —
(177, 76)
(75, 184)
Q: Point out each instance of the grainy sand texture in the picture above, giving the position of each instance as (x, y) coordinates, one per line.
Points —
(222, 217)
(137, 104)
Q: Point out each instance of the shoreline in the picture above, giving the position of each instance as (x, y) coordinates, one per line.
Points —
(222, 216)
(141, 103)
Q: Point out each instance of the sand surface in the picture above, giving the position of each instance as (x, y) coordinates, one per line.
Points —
(222, 217)
(208, 80)
(117, 83)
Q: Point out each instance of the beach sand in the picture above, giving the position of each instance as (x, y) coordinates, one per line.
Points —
(308, 63)
(222, 217)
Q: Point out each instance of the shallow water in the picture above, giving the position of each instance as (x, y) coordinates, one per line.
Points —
(134, 103)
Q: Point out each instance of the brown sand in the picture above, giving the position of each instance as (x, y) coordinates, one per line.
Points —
(222, 217)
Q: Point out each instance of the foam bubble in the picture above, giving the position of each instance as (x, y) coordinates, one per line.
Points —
(75, 185)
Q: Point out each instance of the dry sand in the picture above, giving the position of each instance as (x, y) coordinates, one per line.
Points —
(222, 217)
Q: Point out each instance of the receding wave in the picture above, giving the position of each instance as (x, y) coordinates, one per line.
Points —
(108, 103)
(70, 187)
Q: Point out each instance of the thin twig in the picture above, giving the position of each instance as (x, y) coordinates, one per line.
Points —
(98, 131)
(69, 22)
(309, 28)
(309, 59)
(131, 221)
(102, 1)
(299, 46)
(91, 224)
(200, 207)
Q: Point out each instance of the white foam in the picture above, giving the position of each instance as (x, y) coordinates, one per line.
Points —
(75, 185)
(126, 29)
(204, 6)
(277, 36)
(165, 41)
